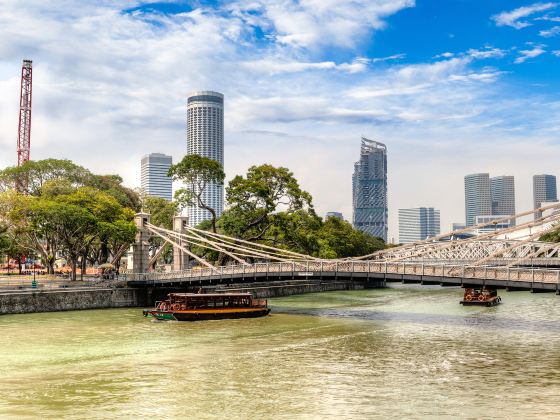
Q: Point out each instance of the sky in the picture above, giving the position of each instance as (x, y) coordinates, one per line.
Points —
(451, 87)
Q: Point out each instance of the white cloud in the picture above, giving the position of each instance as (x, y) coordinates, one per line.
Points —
(389, 58)
(514, 17)
(556, 53)
(488, 52)
(547, 33)
(111, 86)
(445, 55)
(532, 53)
(313, 23)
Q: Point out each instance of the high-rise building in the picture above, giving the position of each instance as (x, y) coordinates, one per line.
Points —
(502, 192)
(544, 189)
(205, 137)
(336, 214)
(418, 224)
(154, 180)
(369, 189)
(494, 226)
(478, 200)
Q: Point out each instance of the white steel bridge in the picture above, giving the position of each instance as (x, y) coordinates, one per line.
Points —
(491, 259)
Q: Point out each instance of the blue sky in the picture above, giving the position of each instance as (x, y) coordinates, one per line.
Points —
(452, 87)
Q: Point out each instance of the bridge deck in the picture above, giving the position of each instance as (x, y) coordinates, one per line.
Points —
(445, 274)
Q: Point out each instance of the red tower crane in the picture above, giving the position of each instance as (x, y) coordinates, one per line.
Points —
(24, 129)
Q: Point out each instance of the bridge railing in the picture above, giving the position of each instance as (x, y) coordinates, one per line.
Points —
(401, 268)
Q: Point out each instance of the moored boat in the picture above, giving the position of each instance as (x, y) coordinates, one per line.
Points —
(482, 297)
(199, 307)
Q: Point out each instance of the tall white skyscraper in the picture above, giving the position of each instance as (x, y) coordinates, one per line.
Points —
(205, 137)
(369, 189)
(478, 201)
(154, 180)
(418, 224)
(544, 189)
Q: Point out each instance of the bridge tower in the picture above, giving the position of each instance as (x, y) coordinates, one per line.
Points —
(141, 247)
(180, 258)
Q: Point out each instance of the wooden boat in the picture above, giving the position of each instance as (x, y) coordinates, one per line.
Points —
(482, 297)
(198, 307)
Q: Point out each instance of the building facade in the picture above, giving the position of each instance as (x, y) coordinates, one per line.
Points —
(369, 190)
(154, 180)
(418, 224)
(502, 192)
(544, 189)
(478, 201)
(336, 214)
(494, 226)
(205, 137)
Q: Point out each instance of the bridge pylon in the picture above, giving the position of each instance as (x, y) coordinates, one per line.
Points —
(141, 246)
(180, 258)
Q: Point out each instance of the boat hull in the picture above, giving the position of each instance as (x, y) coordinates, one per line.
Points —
(206, 315)
(491, 302)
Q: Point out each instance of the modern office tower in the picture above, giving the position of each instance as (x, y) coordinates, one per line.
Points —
(205, 137)
(478, 200)
(502, 192)
(544, 189)
(154, 180)
(418, 224)
(493, 227)
(336, 214)
(369, 189)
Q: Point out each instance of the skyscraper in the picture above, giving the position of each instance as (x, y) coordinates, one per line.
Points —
(154, 180)
(544, 189)
(417, 224)
(369, 189)
(477, 197)
(205, 137)
(502, 191)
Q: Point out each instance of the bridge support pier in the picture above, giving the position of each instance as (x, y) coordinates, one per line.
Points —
(140, 248)
(180, 258)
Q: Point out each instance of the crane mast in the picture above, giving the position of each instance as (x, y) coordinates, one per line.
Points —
(24, 128)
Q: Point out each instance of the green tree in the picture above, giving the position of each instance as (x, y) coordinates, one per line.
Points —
(338, 239)
(257, 199)
(197, 172)
(37, 173)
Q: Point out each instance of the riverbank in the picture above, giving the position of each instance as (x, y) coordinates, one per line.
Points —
(22, 302)
(31, 301)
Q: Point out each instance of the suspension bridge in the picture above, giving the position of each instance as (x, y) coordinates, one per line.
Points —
(513, 258)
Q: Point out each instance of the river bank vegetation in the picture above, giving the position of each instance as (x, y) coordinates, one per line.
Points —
(62, 210)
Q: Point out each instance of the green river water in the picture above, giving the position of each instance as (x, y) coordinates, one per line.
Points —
(392, 353)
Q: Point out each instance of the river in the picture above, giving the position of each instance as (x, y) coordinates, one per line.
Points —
(406, 352)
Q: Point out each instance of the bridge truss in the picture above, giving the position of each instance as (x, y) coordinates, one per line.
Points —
(514, 255)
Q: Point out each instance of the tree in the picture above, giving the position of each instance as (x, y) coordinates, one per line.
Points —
(197, 172)
(338, 239)
(37, 173)
(256, 200)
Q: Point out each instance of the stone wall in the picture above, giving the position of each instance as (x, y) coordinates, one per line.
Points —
(69, 300)
(288, 288)
(73, 299)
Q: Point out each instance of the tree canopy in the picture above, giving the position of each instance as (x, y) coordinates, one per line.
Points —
(66, 210)
(198, 173)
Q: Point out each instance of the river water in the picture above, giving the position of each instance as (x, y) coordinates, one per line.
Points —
(392, 353)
